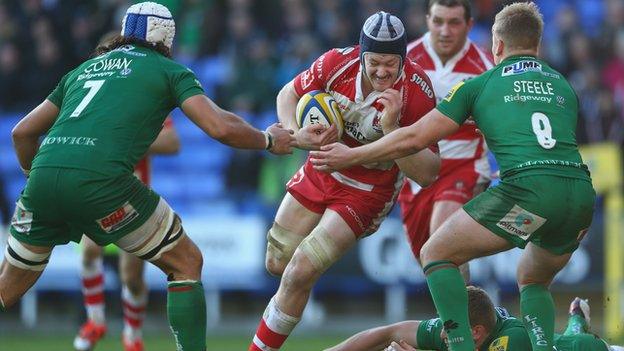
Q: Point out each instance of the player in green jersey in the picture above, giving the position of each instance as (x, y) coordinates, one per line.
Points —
(527, 112)
(493, 329)
(98, 122)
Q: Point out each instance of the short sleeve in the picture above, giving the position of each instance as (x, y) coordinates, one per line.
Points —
(184, 84)
(457, 104)
(56, 96)
(428, 335)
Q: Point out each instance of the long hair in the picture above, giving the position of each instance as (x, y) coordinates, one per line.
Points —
(111, 42)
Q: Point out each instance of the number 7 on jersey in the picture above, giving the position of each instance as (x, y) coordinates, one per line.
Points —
(94, 86)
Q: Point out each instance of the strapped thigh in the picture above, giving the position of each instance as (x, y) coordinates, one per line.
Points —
(321, 249)
(159, 234)
(20, 256)
(282, 243)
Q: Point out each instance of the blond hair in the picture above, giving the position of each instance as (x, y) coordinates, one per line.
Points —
(480, 308)
(519, 26)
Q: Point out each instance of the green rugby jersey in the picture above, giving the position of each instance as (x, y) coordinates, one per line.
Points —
(112, 107)
(509, 334)
(527, 113)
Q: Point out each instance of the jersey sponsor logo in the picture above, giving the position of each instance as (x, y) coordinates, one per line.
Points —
(22, 219)
(521, 67)
(520, 222)
(499, 344)
(118, 218)
(66, 140)
(422, 83)
(451, 93)
(526, 98)
(106, 68)
(377, 124)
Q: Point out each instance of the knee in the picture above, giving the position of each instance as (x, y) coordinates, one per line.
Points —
(299, 273)
(281, 245)
(274, 266)
(427, 254)
(195, 261)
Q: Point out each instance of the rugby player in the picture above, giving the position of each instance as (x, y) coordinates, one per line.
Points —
(527, 113)
(99, 122)
(322, 215)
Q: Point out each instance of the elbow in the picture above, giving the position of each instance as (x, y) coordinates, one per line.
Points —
(19, 133)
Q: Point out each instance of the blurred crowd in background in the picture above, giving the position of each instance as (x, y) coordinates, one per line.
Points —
(244, 51)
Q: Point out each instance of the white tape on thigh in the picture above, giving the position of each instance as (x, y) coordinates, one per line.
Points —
(320, 248)
(282, 243)
(21, 257)
(151, 234)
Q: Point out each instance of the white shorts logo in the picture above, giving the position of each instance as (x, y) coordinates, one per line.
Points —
(22, 219)
(520, 222)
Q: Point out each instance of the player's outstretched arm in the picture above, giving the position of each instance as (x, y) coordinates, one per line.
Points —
(28, 130)
(232, 130)
(378, 338)
(397, 144)
(309, 137)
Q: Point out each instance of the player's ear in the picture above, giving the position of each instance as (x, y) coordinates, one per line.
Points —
(479, 332)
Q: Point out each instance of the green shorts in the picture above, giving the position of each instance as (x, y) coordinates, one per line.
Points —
(58, 205)
(552, 212)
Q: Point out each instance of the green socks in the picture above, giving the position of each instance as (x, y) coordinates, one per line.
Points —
(538, 315)
(449, 294)
(576, 325)
(186, 308)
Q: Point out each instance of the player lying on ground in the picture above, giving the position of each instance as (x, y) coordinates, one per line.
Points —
(492, 328)
(323, 215)
(527, 113)
(99, 121)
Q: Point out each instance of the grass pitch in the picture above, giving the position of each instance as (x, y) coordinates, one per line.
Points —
(34, 342)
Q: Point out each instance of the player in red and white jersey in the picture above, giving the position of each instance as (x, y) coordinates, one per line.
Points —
(134, 291)
(323, 215)
(448, 57)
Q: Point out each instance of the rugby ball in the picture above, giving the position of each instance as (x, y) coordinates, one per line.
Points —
(318, 107)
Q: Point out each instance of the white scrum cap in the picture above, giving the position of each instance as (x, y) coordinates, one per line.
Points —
(149, 21)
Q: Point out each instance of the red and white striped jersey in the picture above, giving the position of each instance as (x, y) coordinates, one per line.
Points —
(143, 168)
(465, 148)
(339, 73)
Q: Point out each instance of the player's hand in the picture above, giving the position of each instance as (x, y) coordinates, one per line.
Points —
(283, 139)
(332, 157)
(392, 102)
(400, 346)
(313, 136)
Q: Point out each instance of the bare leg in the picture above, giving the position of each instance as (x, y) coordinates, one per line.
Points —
(14, 281)
(442, 210)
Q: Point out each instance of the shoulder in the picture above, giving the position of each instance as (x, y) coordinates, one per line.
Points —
(475, 60)
(416, 52)
(334, 60)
